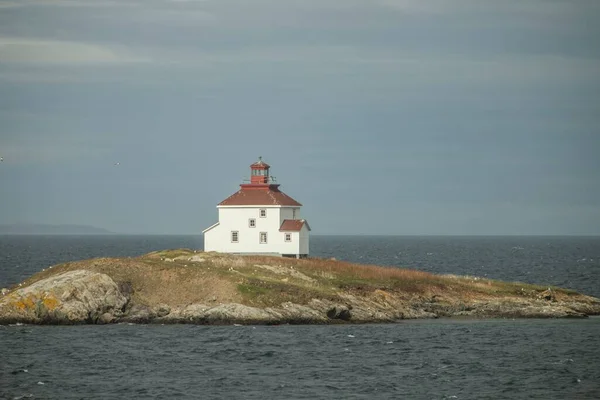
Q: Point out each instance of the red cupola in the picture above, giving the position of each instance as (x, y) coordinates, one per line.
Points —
(262, 190)
(260, 173)
(260, 178)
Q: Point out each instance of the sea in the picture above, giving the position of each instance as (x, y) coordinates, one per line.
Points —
(424, 359)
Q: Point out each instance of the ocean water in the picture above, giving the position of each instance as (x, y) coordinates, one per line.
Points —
(433, 359)
(569, 262)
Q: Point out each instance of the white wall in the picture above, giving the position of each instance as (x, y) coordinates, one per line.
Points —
(304, 240)
(289, 213)
(236, 219)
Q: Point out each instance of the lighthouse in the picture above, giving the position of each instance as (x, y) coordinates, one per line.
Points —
(259, 219)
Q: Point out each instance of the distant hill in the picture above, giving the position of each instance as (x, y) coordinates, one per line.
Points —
(45, 229)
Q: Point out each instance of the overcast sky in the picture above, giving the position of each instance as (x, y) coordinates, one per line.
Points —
(381, 116)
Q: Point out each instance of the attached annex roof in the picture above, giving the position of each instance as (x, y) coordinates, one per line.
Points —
(210, 227)
(294, 225)
(268, 197)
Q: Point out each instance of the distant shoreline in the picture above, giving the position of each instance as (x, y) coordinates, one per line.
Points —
(49, 229)
(104, 232)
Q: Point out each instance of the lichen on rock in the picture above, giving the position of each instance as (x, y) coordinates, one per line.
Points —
(69, 298)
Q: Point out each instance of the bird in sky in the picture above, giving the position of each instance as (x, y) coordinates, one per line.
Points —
(117, 164)
(1, 159)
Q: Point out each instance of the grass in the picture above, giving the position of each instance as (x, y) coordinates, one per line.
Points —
(173, 253)
(270, 281)
(251, 291)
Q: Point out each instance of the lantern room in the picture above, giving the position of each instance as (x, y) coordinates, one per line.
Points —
(259, 172)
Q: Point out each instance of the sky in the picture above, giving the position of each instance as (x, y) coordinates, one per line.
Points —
(382, 117)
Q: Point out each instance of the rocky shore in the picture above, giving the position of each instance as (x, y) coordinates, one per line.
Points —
(185, 286)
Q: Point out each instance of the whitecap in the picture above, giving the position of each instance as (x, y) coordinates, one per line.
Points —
(25, 396)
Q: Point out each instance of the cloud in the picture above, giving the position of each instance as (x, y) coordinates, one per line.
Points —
(62, 3)
(486, 7)
(23, 154)
(40, 51)
(38, 148)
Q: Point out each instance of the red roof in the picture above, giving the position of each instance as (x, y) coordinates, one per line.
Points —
(260, 164)
(293, 225)
(263, 197)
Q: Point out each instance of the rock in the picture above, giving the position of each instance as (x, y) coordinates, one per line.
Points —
(221, 314)
(288, 313)
(192, 312)
(161, 310)
(126, 288)
(586, 309)
(331, 310)
(69, 298)
(240, 313)
(547, 295)
(4, 291)
(298, 314)
(339, 312)
(278, 269)
(139, 313)
(106, 318)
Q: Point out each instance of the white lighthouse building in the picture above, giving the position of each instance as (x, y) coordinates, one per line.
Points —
(259, 219)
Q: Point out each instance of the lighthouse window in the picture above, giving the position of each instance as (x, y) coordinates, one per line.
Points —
(234, 236)
(288, 237)
(252, 223)
(263, 237)
(263, 213)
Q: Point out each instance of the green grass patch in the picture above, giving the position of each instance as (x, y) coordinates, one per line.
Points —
(252, 291)
(272, 293)
(171, 253)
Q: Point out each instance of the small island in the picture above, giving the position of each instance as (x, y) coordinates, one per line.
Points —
(187, 286)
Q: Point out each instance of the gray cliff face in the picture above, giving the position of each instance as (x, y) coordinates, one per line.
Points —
(85, 297)
(232, 313)
(70, 298)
